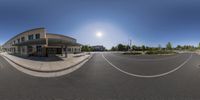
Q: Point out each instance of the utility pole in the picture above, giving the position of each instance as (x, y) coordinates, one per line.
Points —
(130, 44)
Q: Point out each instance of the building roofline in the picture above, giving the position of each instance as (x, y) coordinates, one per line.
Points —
(24, 32)
(61, 35)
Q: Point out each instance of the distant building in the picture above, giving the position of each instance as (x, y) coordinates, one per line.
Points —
(98, 48)
(37, 42)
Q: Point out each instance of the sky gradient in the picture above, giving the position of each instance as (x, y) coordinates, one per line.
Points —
(150, 22)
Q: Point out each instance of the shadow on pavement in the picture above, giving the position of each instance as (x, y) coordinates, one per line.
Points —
(44, 59)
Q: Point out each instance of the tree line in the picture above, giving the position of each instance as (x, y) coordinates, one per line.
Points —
(86, 48)
(121, 47)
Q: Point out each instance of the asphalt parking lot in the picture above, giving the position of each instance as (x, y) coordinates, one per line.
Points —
(100, 80)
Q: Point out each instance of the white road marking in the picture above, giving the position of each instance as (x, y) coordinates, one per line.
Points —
(148, 76)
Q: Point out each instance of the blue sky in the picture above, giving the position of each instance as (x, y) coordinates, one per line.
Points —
(148, 22)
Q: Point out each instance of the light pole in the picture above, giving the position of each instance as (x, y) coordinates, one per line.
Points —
(130, 44)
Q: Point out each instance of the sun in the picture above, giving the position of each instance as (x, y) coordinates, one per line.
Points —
(99, 34)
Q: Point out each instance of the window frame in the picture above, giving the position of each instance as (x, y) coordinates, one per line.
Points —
(37, 36)
(30, 37)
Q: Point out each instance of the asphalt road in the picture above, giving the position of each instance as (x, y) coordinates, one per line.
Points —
(99, 80)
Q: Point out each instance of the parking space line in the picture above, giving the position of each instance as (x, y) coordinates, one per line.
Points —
(148, 76)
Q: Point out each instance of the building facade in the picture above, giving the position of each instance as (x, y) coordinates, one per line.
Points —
(37, 42)
(98, 48)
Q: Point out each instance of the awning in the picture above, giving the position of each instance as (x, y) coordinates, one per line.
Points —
(51, 42)
(32, 42)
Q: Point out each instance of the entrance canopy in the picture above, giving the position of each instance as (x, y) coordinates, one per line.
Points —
(52, 42)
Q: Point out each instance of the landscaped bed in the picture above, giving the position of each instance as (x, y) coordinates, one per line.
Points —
(161, 52)
(151, 52)
(133, 53)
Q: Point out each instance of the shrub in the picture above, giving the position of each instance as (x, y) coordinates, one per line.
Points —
(160, 52)
(132, 53)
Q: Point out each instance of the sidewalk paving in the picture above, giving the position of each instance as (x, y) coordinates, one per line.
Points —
(45, 65)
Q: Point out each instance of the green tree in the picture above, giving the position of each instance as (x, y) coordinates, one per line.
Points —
(199, 45)
(159, 47)
(178, 47)
(127, 47)
(86, 48)
(169, 46)
(147, 48)
(121, 47)
(143, 48)
(113, 49)
(134, 47)
(90, 48)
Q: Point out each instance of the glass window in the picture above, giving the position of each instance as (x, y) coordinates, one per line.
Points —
(39, 48)
(22, 39)
(18, 40)
(69, 49)
(30, 49)
(30, 37)
(37, 36)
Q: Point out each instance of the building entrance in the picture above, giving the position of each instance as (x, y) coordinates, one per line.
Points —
(54, 51)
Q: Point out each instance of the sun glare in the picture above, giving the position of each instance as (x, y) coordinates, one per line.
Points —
(99, 34)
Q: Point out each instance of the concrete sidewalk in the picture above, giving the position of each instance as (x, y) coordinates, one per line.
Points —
(47, 66)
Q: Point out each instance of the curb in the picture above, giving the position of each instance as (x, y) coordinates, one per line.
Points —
(53, 71)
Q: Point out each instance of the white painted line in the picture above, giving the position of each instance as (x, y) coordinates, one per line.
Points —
(148, 76)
